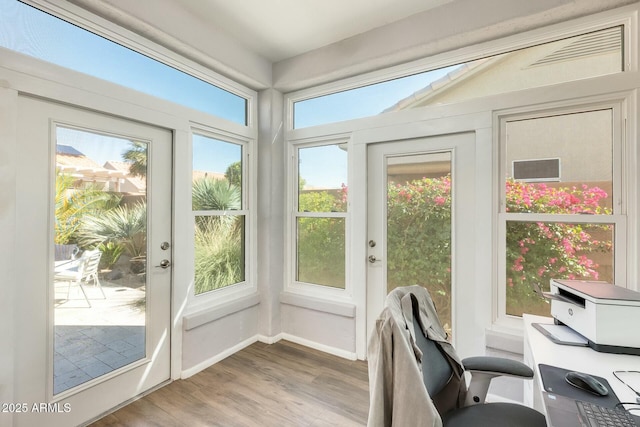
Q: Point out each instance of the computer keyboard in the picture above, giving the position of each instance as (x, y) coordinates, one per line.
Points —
(599, 416)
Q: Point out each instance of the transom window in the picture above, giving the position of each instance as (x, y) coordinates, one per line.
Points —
(35, 33)
(587, 55)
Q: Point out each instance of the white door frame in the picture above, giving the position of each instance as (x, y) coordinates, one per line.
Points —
(478, 300)
(37, 120)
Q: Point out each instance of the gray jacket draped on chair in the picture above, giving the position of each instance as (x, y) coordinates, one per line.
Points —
(398, 396)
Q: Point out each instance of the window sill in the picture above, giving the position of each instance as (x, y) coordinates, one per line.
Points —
(211, 314)
(505, 339)
(318, 304)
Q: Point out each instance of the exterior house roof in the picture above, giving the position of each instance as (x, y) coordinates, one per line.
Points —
(72, 162)
(132, 184)
(545, 64)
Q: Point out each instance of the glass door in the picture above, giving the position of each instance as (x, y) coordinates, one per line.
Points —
(420, 222)
(96, 298)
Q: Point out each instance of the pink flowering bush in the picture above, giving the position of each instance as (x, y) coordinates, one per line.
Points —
(540, 251)
(419, 239)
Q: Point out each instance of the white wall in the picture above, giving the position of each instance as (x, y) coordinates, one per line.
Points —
(8, 147)
(271, 208)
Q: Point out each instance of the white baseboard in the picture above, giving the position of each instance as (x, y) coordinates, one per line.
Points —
(320, 347)
(267, 340)
(217, 358)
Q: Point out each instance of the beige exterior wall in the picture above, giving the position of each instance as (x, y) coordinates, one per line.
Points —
(583, 142)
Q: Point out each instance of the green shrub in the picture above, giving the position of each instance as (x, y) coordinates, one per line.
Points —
(219, 257)
(123, 225)
(111, 252)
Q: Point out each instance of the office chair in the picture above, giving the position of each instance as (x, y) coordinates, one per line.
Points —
(423, 382)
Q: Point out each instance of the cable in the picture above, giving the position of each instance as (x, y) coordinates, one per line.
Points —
(615, 374)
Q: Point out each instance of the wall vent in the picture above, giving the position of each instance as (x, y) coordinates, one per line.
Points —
(536, 170)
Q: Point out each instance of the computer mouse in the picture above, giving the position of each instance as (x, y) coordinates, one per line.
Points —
(586, 382)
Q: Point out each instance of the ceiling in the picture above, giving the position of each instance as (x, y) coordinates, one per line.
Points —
(281, 29)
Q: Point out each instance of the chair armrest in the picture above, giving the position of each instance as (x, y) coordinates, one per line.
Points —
(498, 366)
(484, 368)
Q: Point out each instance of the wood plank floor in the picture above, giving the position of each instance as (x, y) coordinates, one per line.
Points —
(282, 384)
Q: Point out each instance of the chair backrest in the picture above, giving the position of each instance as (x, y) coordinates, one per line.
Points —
(90, 262)
(437, 371)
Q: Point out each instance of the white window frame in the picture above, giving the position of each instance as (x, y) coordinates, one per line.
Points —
(291, 284)
(621, 188)
(500, 329)
(215, 126)
(249, 285)
(111, 31)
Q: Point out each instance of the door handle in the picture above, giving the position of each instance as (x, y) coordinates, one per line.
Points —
(372, 259)
(165, 263)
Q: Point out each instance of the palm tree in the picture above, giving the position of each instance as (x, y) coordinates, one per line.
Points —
(137, 155)
(234, 174)
(72, 205)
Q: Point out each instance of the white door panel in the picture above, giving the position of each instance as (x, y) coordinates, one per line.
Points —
(405, 178)
(81, 350)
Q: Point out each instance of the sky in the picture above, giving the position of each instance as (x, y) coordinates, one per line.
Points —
(32, 32)
(99, 148)
(362, 102)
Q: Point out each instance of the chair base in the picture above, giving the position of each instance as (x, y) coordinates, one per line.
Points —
(494, 415)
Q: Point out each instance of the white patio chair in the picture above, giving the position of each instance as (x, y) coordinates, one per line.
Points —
(81, 273)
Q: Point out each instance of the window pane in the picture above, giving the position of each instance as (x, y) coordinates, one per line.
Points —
(100, 248)
(30, 31)
(419, 227)
(580, 57)
(573, 153)
(321, 251)
(219, 252)
(322, 179)
(540, 251)
(217, 175)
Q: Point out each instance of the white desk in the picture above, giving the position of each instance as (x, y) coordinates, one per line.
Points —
(539, 349)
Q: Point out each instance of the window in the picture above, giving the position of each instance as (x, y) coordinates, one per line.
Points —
(32, 32)
(564, 228)
(320, 217)
(588, 55)
(219, 205)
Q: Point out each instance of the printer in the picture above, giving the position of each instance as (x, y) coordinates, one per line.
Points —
(606, 315)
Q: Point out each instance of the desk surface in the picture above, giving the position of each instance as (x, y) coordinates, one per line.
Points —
(539, 349)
